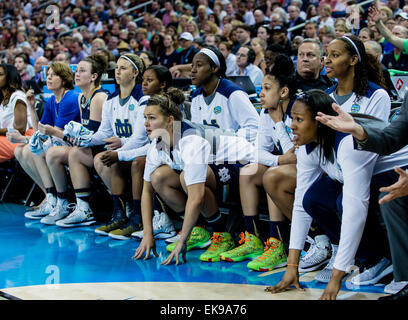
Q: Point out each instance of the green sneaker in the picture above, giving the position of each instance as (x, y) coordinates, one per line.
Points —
(274, 256)
(220, 242)
(251, 247)
(199, 238)
(118, 221)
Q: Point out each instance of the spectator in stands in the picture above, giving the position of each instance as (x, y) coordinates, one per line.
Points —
(169, 55)
(310, 30)
(397, 59)
(48, 52)
(264, 33)
(259, 46)
(247, 14)
(294, 20)
(366, 34)
(245, 65)
(97, 44)
(21, 62)
(280, 37)
(230, 59)
(60, 109)
(193, 29)
(402, 19)
(243, 34)
(325, 18)
(341, 27)
(260, 20)
(141, 37)
(148, 58)
(63, 57)
(39, 63)
(278, 88)
(375, 49)
(183, 68)
(37, 50)
(394, 5)
(77, 51)
(14, 112)
(156, 45)
(166, 18)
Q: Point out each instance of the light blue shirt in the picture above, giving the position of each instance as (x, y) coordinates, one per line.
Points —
(253, 72)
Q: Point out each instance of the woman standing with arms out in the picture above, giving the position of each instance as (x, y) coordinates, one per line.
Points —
(347, 212)
(14, 112)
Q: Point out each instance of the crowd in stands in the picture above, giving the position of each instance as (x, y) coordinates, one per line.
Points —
(302, 56)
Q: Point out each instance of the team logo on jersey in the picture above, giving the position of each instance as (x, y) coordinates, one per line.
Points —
(212, 123)
(217, 109)
(123, 129)
(355, 108)
(224, 175)
(131, 107)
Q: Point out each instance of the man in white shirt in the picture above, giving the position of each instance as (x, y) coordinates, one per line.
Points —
(245, 67)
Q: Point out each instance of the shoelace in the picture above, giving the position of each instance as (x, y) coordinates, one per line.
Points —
(268, 252)
(243, 239)
(216, 239)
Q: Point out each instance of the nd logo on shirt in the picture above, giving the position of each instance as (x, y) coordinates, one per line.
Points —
(123, 129)
(355, 108)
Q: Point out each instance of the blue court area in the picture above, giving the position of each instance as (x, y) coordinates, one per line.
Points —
(32, 254)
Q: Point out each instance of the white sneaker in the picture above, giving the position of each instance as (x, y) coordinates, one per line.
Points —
(395, 286)
(173, 239)
(163, 227)
(81, 216)
(372, 275)
(325, 274)
(45, 209)
(317, 255)
(60, 211)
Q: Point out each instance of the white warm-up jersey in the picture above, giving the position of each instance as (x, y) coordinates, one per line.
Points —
(376, 102)
(354, 169)
(195, 150)
(273, 137)
(7, 111)
(230, 109)
(122, 121)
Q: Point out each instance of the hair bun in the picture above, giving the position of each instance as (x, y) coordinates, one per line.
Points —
(176, 95)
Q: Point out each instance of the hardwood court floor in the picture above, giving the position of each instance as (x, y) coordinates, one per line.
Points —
(39, 262)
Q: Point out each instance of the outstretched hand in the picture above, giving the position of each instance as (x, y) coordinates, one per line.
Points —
(145, 246)
(374, 14)
(398, 189)
(343, 122)
(179, 249)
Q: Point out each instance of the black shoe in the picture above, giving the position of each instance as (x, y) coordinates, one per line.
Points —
(401, 295)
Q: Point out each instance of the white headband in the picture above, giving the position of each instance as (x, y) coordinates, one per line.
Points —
(353, 44)
(130, 60)
(211, 55)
